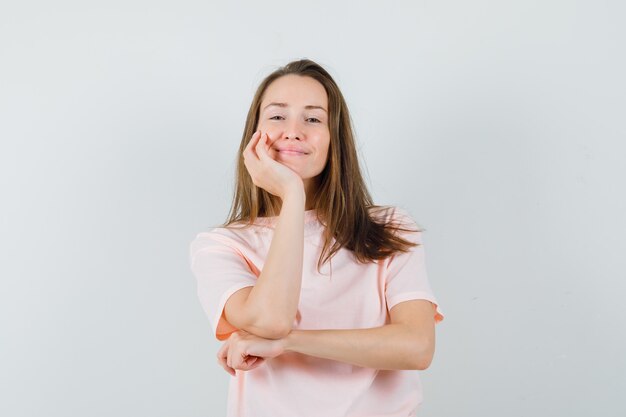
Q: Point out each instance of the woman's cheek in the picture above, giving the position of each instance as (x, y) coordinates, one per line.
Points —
(267, 128)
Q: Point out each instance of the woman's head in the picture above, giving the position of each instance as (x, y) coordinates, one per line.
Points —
(294, 113)
(331, 172)
(332, 175)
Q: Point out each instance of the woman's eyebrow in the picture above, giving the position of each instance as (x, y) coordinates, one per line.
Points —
(308, 107)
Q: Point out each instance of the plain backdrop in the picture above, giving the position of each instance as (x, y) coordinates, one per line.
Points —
(499, 126)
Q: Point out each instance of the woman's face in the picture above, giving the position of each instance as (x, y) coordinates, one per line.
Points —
(294, 113)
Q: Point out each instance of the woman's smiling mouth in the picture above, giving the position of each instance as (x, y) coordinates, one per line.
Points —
(290, 152)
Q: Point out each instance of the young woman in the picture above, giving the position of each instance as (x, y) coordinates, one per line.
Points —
(321, 297)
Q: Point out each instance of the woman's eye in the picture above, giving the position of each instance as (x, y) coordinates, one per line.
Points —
(313, 119)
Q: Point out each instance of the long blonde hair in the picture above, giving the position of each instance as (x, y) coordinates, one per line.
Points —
(342, 202)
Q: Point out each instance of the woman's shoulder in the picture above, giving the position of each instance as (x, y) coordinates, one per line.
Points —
(236, 236)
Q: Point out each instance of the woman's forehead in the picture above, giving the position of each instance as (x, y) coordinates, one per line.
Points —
(295, 91)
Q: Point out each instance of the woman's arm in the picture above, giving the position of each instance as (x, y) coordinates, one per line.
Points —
(392, 346)
(272, 304)
(407, 343)
(276, 295)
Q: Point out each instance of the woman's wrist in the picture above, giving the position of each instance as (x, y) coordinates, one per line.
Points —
(288, 342)
(295, 193)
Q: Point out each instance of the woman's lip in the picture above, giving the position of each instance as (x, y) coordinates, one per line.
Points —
(290, 152)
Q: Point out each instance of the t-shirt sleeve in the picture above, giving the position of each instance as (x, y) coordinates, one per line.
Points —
(220, 270)
(406, 276)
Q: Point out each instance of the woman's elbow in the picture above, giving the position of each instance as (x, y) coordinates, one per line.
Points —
(423, 363)
(421, 353)
(272, 330)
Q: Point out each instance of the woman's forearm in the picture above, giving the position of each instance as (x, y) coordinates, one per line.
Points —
(276, 295)
(392, 346)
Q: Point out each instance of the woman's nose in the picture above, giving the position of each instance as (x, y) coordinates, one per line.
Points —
(293, 130)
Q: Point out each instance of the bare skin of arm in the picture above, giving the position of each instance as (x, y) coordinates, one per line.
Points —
(408, 342)
(269, 308)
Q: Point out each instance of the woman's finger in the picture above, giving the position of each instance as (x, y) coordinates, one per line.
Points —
(262, 142)
(222, 355)
(228, 368)
(249, 149)
(255, 136)
(248, 362)
(259, 149)
(222, 351)
(236, 351)
(238, 359)
(258, 361)
(263, 146)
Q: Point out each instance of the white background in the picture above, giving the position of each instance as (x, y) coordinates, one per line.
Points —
(499, 125)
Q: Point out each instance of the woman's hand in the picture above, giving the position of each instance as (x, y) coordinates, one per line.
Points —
(245, 351)
(267, 173)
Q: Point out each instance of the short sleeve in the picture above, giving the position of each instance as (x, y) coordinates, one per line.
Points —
(220, 270)
(406, 276)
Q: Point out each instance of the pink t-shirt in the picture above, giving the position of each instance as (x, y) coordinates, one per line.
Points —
(354, 296)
